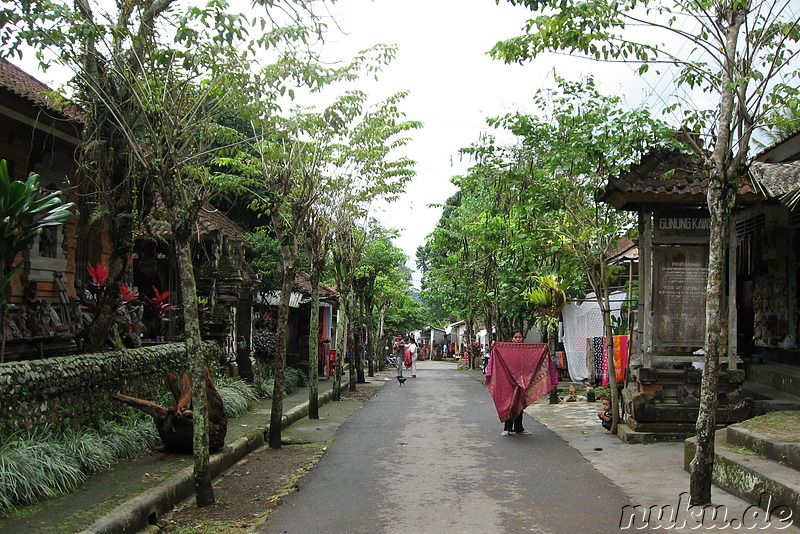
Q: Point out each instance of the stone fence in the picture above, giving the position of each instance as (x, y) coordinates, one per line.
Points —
(71, 391)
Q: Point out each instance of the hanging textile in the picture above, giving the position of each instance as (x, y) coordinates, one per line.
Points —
(600, 357)
(620, 357)
(519, 374)
(583, 319)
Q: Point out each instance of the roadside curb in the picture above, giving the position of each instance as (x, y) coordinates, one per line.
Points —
(143, 510)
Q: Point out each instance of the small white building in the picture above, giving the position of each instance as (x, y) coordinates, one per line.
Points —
(430, 342)
(457, 333)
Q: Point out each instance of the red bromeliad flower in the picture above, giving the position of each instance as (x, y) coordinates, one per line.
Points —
(98, 274)
(127, 295)
(161, 308)
(159, 302)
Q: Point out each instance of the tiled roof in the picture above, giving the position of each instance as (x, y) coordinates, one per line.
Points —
(626, 249)
(302, 283)
(26, 86)
(777, 144)
(666, 177)
(209, 220)
(778, 180)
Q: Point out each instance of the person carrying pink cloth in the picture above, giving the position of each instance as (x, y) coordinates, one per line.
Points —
(518, 375)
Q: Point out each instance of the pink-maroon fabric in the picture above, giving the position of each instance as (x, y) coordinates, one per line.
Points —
(518, 375)
(620, 357)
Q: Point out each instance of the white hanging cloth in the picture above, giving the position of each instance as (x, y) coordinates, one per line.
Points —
(582, 320)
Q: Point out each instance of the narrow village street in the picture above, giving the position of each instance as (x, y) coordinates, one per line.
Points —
(428, 457)
(209, 209)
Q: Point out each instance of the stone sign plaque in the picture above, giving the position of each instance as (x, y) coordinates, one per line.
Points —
(680, 274)
(681, 226)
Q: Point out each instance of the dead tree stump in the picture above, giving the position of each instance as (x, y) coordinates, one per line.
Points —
(175, 424)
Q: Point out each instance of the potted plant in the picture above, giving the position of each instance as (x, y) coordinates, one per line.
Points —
(158, 308)
(546, 298)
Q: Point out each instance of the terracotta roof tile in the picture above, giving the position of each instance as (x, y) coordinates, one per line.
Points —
(663, 176)
(302, 284)
(26, 86)
(625, 248)
(778, 180)
(209, 219)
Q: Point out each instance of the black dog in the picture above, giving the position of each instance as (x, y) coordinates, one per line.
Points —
(402, 380)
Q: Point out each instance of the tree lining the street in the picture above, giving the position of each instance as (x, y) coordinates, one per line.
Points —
(528, 209)
(139, 70)
(321, 169)
(155, 78)
(382, 285)
(581, 138)
(741, 51)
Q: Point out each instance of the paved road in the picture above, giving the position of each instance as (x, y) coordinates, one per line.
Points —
(429, 458)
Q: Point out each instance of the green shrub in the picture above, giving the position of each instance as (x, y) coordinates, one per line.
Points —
(237, 395)
(265, 387)
(38, 464)
(34, 465)
(295, 379)
(92, 450)
(602, 392)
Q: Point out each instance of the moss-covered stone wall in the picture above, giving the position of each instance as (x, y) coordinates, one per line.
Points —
(76, 390)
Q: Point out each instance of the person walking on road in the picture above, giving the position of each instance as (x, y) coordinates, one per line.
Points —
(510, 367)
(412, 346)
(399, 348)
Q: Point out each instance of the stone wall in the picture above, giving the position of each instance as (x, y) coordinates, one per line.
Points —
(76, 390)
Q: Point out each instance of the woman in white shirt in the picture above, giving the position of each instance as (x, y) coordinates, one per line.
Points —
(412, 346)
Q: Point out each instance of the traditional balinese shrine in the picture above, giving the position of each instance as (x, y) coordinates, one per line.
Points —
(661, 399)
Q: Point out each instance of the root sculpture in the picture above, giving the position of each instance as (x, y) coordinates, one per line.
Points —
(175, 424)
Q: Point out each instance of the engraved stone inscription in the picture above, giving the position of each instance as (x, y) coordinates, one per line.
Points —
(679, 295)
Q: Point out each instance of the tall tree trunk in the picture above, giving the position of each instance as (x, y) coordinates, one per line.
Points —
(716, 343)
(489, 334)
(313, 346)
(470, 337)
(282, 334)
(379, 339)
(598, 278)
(371, 337)
(721, 196)
(360, 334)
(351, 368)
(552, 343)
(203, 488)
(612, 368)
(276, 416)
(341, 343)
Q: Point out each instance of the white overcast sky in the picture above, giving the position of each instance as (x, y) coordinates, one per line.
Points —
(454, 86)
